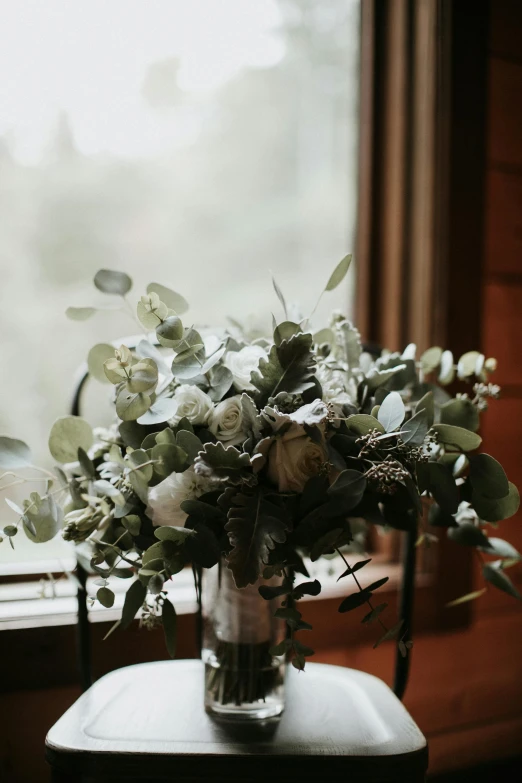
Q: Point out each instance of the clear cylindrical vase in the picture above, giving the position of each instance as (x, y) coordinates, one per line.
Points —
(243, 681)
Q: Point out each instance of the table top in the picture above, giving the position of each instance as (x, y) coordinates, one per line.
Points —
(153, 712)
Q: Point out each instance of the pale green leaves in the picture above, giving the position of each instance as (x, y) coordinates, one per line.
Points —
(110, 281)
(130, 407)
(363, 423)
(391, 412)
(173, 300)
(339, 273)
(496, 509)
(96, 359)
(68, 434)
(14, 453)
(415, 429)
(457, 437)
(80, 313)
(138, 377)
(488, 477)
(42, 518)
(151, 311)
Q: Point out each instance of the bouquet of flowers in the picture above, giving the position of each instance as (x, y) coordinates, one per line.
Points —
(260, 454)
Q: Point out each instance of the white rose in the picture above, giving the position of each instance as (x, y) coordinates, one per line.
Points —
(242, 363)
(226, 421)
(293, 459)
(191, 403)
(165, 498)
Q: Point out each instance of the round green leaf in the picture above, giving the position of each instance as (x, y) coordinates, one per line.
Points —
(447, 368)
(170, 330)
(143, 376)
(430, 359)
(110, 281)
(105, 597)
(496, 509)
(80, 313)
(487, 476)
(68, 434)
(415, 429)
(14, 453)
(391, 412)
(96, 358)
(362, 423)
(460, 413)
(173, 300)
(10, 530)
(458, 437)
(42, 518)
(130, 407)
(163, 409)
(468, 534)
(467, 364)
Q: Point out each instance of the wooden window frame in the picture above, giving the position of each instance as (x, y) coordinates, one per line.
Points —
(419, 245)
(420, 242)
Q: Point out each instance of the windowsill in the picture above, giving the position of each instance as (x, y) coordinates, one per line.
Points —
(22, 607)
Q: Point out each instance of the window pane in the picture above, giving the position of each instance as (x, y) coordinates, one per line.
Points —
(201, 144)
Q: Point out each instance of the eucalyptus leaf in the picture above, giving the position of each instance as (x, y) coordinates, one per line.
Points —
(131, 407)
(168, 459)
(96, 358)
(469, 535)
(42, 518)
(391, 412)
(356, 567)
(496, 509)
(163, 409)
(430, 359)
(464, 599)
(105, 597)
(442, 486)
(354, 600)
(457, 437)
(280, 296)
(415, 429)
(68, 434)
(110, 281)
(349, 486)
(339, 273)
(80, 313)
(173, 300)
(427, 405)
(460, 413)
(190, 444)
(488, 477)
(14, 453)
(134, 598)
(362, 424)
(499, 579)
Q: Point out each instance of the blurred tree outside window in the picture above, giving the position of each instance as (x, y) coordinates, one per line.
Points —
(198, 144)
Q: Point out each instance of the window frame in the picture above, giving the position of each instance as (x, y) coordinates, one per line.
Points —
(421, 195)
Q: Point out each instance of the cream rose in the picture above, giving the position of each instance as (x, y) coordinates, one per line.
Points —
(191, 403)
(293, 458)
(226, 421)
(242, 363)
(165, 498)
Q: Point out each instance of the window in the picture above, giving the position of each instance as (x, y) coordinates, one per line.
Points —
(202, 143)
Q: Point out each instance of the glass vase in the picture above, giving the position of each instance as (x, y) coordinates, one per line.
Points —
(243, 681)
